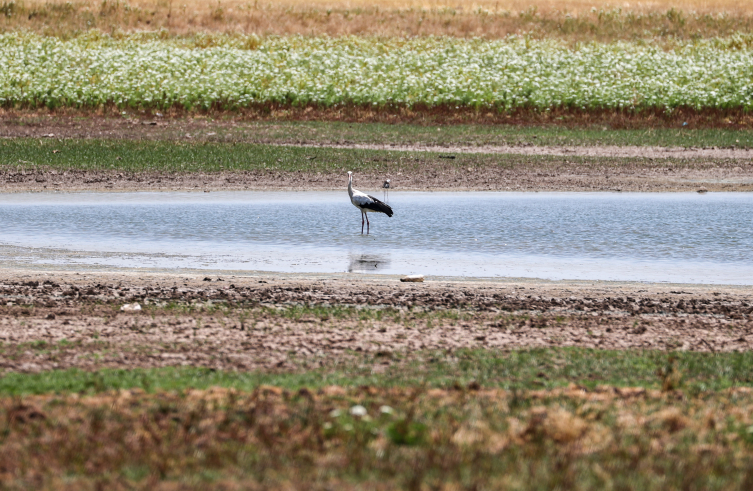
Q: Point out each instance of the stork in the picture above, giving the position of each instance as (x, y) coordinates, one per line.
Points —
(366, 203)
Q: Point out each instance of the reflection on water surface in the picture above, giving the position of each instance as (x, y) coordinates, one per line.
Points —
(368, 263)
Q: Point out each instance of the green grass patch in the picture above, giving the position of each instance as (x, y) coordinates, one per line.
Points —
(167, 156)
(517, 369)
(174, 157)
(390, 430)
(479, 134)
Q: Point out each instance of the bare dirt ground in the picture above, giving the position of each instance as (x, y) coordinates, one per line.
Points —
(62, 320)
(562, 176)
(706, 169)
(568, 151)
(207, 129)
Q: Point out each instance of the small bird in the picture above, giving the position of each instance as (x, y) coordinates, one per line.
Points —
(386, 187)
(366, 203)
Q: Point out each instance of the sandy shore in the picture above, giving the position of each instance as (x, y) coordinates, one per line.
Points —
(60, 320)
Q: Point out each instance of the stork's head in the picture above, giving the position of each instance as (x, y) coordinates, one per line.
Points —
(350, 175)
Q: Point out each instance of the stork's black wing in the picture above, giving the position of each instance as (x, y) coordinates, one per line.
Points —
(378, 205)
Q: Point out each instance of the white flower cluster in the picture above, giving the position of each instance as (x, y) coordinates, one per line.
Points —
(502, 74)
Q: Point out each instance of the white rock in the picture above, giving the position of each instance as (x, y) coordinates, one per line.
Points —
(130, 307)
(358, 410)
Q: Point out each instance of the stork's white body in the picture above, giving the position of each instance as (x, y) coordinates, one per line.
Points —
(366, 203)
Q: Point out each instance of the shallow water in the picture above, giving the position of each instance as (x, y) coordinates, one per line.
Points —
(684, 238)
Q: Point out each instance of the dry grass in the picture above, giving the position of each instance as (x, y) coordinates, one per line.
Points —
(571, 20)
(372, 438)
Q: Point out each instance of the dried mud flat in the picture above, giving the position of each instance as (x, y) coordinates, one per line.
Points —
(62, 320)
(710, 169)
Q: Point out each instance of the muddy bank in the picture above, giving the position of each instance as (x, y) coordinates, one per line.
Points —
(432, 167)
(188, 129)
(428, 176)
(50, 321)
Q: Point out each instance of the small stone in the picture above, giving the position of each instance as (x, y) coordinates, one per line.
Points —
(413, 278)
(30, 368)
(130, 307)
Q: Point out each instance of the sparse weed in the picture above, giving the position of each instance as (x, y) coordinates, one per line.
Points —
(209, 24)
(400, 437)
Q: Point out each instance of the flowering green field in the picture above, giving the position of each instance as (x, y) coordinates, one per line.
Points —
(143, 71)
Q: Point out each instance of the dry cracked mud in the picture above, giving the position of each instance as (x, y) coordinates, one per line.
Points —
(277, 322)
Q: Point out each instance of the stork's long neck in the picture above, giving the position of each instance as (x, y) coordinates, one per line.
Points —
(350, 185)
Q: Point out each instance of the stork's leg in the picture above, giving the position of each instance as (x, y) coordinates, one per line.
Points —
(367, 223)
(362, 215)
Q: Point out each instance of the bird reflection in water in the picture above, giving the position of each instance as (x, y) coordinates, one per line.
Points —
(366, 263)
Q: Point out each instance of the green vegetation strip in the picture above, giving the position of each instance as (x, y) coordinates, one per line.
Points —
(162, 156)
(399, 437)
(166, 156)
(519, 369)
(137, 72)
(472, 135)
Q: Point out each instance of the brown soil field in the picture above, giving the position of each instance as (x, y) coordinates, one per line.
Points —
(227, 128)
(240, 322)
(565, 176)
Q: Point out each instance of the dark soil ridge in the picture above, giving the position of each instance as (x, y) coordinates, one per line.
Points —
(682, 117)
